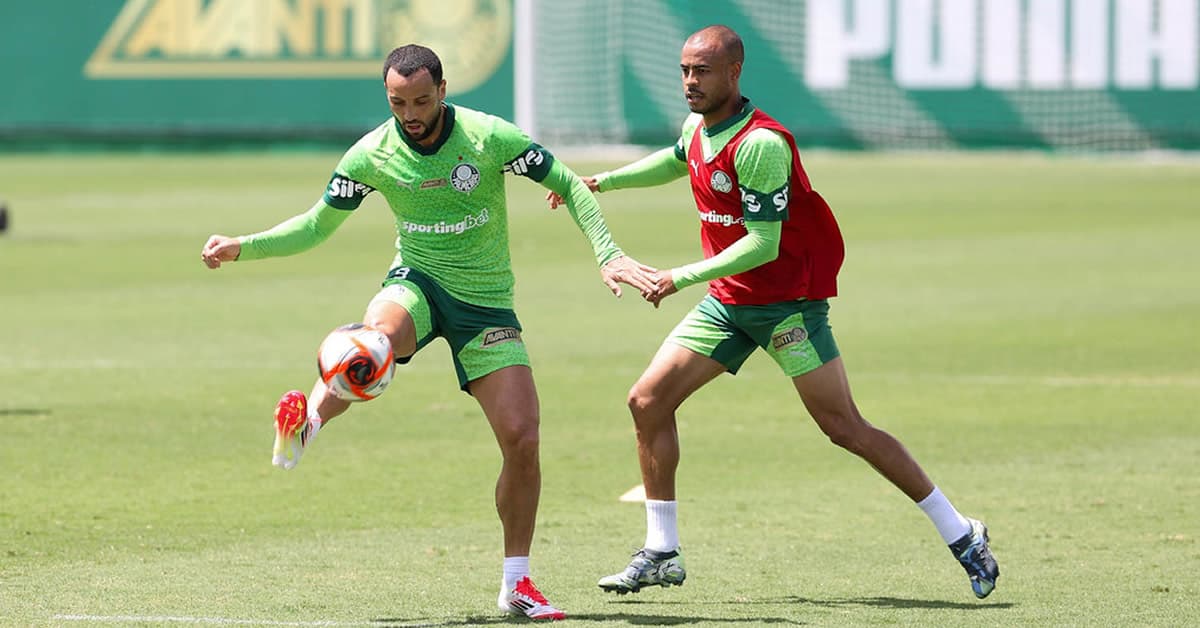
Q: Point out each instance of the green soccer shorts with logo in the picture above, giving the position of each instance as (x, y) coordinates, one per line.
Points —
(482, 339)
(796, 334)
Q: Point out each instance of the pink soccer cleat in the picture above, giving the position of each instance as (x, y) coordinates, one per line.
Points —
(291, 421)
(526, 600)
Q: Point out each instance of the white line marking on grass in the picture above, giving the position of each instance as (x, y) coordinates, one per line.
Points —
(1053, 381)
(635, 494)
(220, 621)
(1138, 381)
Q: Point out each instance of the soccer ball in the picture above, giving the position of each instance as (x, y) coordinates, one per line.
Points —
(356, 363)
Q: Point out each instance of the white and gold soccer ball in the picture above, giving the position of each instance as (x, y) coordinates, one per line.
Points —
(356, 362)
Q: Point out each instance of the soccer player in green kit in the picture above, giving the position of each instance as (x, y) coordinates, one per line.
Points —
(441, 169)
(772, 252)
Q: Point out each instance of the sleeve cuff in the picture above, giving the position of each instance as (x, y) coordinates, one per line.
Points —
(602, 182)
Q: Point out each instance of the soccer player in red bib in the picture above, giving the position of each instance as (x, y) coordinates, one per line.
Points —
(772, 251)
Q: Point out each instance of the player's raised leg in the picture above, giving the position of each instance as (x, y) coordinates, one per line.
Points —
(299, 418)
(509, 400)
(294, 426)
(673, 375)
(825, 392)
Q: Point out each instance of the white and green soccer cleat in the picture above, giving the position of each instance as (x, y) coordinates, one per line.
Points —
(648, 568)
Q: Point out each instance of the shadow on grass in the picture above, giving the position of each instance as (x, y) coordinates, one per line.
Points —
(24, 412)
(880, 602)
(873, 602)
(624, 618)
(641, 619)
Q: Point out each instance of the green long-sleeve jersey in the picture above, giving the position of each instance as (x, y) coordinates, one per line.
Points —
(448, 200)
(763, 164)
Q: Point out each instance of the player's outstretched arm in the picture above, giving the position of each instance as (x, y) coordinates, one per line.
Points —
(555, 200)
(759, 246)
(219, 249)
(657, 168)
(615, 266)
(294, 235)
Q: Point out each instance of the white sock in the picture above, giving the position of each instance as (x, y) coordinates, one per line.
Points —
(515, 568)
(662, 531)
(949, 523)
(314, 424)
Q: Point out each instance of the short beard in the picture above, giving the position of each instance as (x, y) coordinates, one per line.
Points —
(428, 127)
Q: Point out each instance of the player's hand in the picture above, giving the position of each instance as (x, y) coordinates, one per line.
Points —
(554, 199)
(592, 184)
(664, 286)
(627, 270)
(219, 249)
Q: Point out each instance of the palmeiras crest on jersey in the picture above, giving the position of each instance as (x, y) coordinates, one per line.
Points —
(464, 177)
(721, 182)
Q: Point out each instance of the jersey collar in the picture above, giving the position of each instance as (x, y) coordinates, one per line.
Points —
(723, 125)
(447, 127)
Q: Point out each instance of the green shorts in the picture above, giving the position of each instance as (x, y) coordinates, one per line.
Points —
(795, 333)
(482, 339)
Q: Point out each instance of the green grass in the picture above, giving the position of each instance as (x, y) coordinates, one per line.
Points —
(1027, 325)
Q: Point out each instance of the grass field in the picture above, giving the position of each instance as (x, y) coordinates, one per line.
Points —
(1028, 326)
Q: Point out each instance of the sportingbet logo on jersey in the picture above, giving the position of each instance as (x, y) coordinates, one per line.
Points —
(346, 193)
(725, 220)
(442, 227)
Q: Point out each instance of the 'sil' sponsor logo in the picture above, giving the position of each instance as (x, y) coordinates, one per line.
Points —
(341, 187)
(503, 334)
(532, 159)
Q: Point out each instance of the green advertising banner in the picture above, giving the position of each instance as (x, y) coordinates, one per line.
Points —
(1055, 74)
(1058, 74)
(137, 70)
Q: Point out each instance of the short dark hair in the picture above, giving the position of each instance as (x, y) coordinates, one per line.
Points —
(408, 60)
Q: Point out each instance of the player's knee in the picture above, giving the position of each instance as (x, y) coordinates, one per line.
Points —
(846, 432)
(641, 401)
(519, 440)
(384, 324)
(402, 343)
(651, 413)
